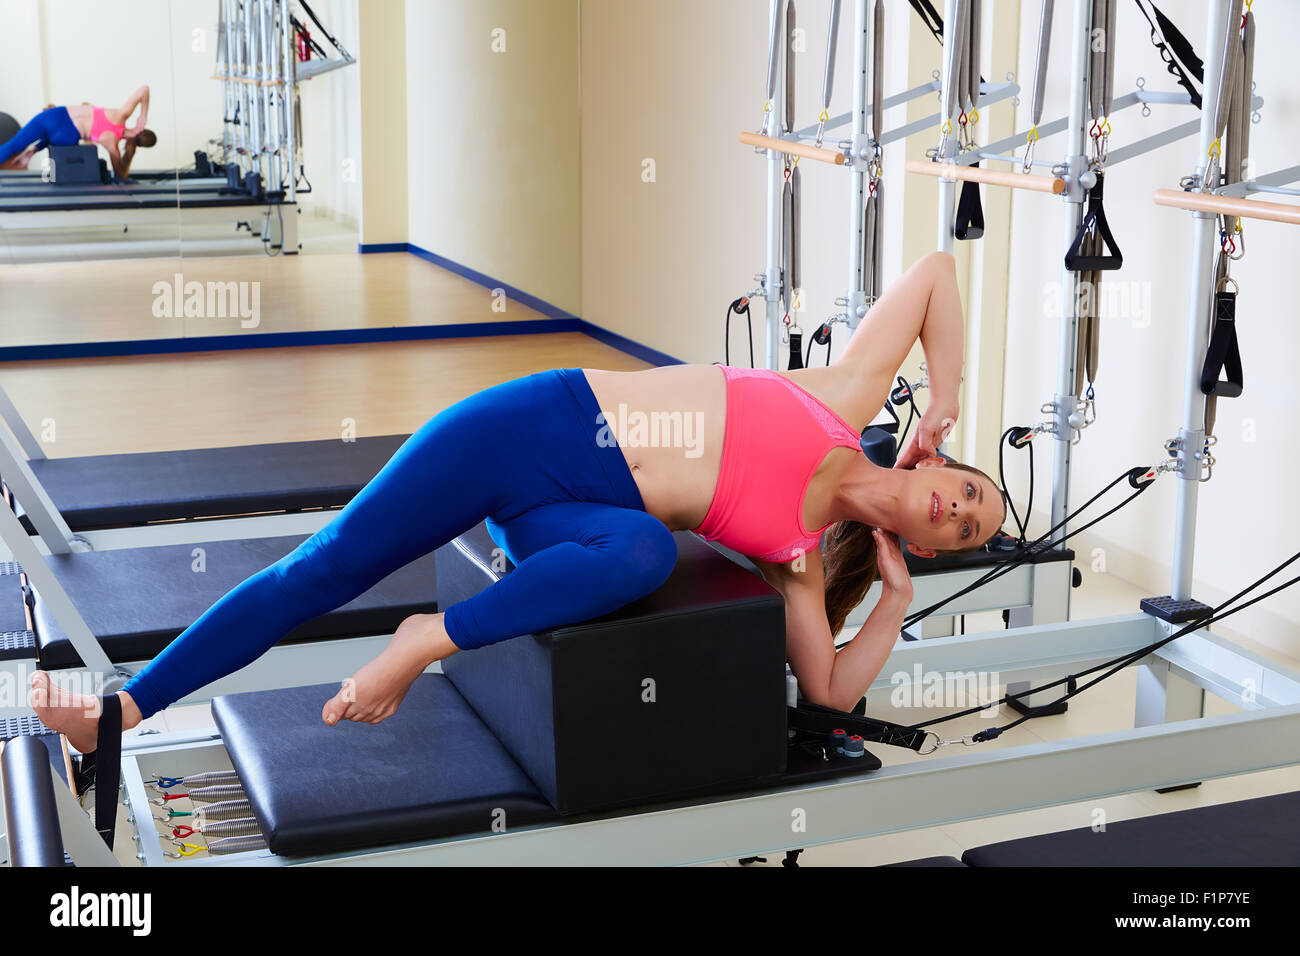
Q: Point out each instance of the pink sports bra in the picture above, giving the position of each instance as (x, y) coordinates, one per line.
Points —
(776, 435)
(99, 125)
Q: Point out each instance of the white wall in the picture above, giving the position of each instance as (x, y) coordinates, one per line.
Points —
(492, 140)
(675, 82)
(1248, 521)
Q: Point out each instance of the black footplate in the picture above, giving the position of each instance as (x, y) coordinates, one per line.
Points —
(1175, 612)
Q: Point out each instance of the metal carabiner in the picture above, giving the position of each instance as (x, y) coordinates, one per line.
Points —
(967, 740)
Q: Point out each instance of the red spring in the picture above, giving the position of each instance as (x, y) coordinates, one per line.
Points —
(304, 46)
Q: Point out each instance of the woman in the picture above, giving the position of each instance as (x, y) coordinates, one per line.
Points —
(583, 502)
(70, 125)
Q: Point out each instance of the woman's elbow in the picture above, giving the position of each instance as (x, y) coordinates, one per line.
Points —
(825, 697)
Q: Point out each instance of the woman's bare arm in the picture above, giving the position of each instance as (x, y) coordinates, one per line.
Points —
(139, 98)
(922, 303)
(830, 678)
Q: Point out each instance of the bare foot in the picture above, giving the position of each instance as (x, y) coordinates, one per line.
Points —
(75, 715)
(374, 692)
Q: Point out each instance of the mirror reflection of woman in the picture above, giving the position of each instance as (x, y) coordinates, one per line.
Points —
(109, 127)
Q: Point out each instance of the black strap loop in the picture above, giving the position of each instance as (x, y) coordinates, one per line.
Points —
(796, 350)
(1176, 50)
(108, 766)
(1094, 222)
(970, 212)
(1223, 354)
(820, 721)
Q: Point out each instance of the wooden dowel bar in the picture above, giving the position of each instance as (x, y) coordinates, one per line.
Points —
(1228, 206)
(992, 177)
(793, 149)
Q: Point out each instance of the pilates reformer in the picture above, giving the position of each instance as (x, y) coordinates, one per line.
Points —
(1037, 590)
(659, 734)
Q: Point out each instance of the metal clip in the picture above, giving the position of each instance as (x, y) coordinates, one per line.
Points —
(940, 742)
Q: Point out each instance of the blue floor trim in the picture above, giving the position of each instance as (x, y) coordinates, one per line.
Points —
(276, 340)
(368, 247)
(557, 320)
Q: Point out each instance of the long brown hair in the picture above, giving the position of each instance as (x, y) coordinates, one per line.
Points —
(851, 563)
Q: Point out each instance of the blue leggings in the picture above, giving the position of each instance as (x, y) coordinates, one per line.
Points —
(52, 127)
(526, 456)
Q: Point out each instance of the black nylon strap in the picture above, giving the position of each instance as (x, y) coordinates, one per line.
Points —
(929, 16)
(814, 719)
(796, 350)
(970, 212)
(108, 766)
(1094, 221)
(1223, 353)
(1180, 58)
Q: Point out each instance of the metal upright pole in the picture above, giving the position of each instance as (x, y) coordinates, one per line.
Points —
(266, 17)
(1192, 432)
(1077, 166)
(948, 81)
(856, 296)
(289, 95)
(775, 167)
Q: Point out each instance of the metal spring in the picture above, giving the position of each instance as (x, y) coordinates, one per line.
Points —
(238, 844)
(225, 810)
(244, 826)
(220, 792)
(209, 778)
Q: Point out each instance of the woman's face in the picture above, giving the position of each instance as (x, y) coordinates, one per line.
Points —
(948, 509)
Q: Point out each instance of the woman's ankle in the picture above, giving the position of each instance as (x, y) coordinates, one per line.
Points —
(131, 716)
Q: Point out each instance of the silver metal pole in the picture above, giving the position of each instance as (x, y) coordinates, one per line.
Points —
(275, 72)
(1077, 162)
(289, 96)
(51, 592)
(31, 494)
(856, 296)
(245, 90)
(9, 412)
(947, 96)
(266, 15)
(775, 164)
(1192, 432)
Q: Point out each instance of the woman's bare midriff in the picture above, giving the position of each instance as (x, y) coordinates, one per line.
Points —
(670, 423)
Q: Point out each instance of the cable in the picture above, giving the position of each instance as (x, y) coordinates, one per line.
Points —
(1023, 526)
(740, 306)
(1119, 663)
(912, 413)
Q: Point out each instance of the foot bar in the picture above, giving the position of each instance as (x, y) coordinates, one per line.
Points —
(832, 156)
(993, 177)
(1228, 206)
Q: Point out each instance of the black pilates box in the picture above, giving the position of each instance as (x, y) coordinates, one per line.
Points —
(677, 694)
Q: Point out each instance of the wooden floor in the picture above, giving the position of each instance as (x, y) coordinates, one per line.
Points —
(110, 301)
(210, 399)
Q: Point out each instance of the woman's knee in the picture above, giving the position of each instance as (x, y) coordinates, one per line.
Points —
(642, 558)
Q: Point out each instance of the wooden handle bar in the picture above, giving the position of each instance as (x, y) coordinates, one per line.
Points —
(794, 149)
(1042, 184)
(1228, 206)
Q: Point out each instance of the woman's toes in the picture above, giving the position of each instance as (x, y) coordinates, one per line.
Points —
(335, 708)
